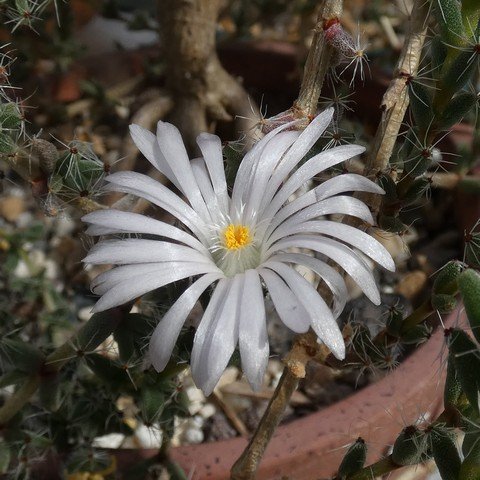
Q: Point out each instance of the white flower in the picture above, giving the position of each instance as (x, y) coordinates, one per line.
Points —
(242, 242)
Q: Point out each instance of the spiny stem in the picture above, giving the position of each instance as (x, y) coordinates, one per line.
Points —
(305, 348)
(395, 101)
(418, 316)
(246, 466)
(318, 60)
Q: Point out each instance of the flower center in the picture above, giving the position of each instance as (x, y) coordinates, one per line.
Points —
(236, 237)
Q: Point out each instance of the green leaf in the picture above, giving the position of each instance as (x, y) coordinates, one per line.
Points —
(460, 71)
(354, 459)
(470, 469)
(410, 447)
(12, 378)
(467, 364)
(438, 53)
(453, 387)
(457, 108)
(421, 104)
(106, 370)
(445, 453)
(416, 190)
(88, 338)
(394, 322)
(447, 278)
(449, 18)
(49, 391)
(5, 457)
(152, 403)
(21, 356)
(443, 303)
(469, 285)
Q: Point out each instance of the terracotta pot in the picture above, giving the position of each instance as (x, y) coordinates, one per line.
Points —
(312, 447)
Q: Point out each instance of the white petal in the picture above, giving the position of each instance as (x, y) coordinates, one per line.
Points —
(323, 323)
(289, 309)
(166, 333)
(107, 280)
(218, 344)
(330, 276)
(262, 170)
(155, 192)
(253, 337)
(136, 286)
(351, 235)
(334, 205)
(352, 263)
(204, 184)
(171, 144)
(209, 316)
(117, 221)
(211, 148)
(298, 150)
(347, 182)
(308, 170)
(243, 178)
(147, 143)
(134, 250)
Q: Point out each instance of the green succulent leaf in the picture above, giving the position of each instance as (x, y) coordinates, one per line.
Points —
(446, 281)
(449, 17)
(445, 453)
(410, 447)
(467, 364)
(21, 356)
(469, 285)
(354, 459)
(457, 108)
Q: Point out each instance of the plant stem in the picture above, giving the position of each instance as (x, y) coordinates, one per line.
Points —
(20, 398)
(417, 317)
(395, 101)
(246, 466)
(318, 61)
(304, 349)
(383, 466)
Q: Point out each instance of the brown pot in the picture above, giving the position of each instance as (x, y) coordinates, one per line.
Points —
(312, 447)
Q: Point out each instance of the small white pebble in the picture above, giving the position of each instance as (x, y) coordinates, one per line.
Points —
(64, 225)
(21, 270)
(111, 440)
(149, 437)
(207, 411)
(51, 269)
(24, 219)
(193, 431)
(85, 313)
(230, 375)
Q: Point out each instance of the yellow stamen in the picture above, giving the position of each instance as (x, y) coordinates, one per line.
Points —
(236, 236)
